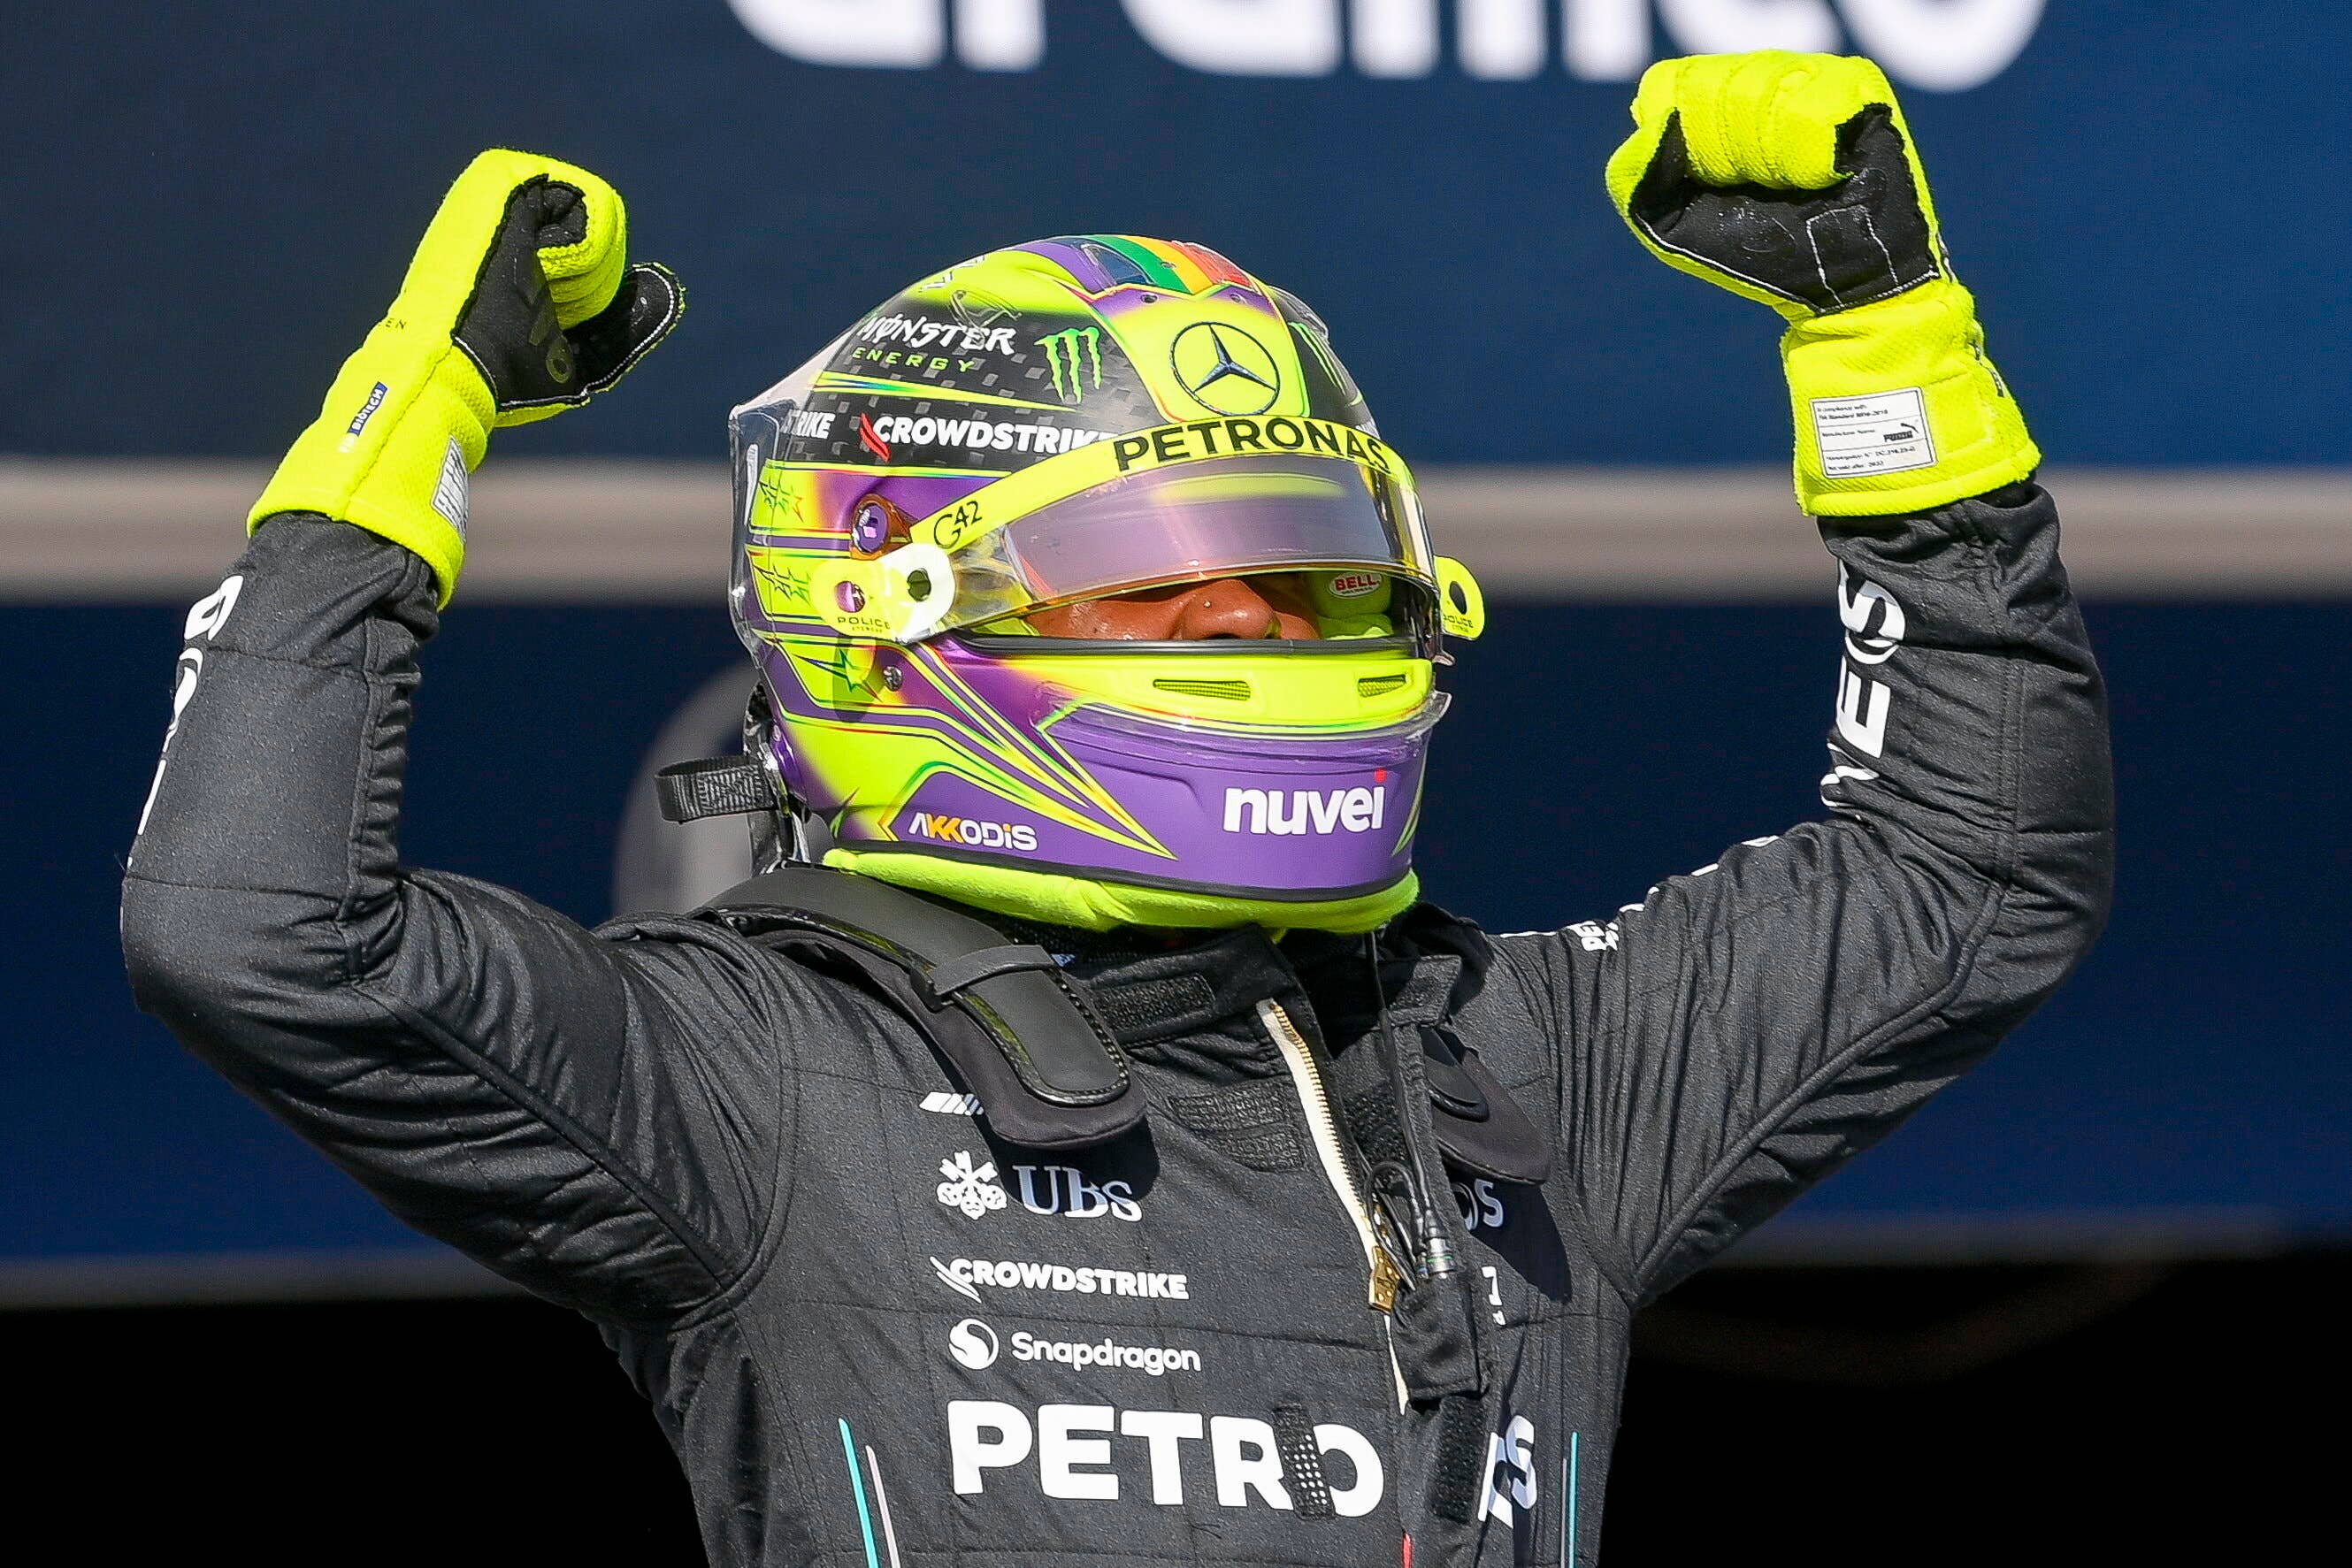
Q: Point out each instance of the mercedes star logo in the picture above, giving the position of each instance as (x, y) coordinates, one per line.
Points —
(1225, 369)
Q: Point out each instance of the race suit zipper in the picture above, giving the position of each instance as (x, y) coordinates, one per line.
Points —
(1324, 1129)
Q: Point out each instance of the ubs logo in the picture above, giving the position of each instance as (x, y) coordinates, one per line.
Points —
(1064, 1190)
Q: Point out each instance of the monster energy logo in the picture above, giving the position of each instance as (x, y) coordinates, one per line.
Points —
(787, 587)
(1062, 353)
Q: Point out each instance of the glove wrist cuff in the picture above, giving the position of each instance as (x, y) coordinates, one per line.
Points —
(392, 449)
(1898, 409)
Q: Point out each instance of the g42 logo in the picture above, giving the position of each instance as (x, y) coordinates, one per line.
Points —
(1943, 45)
(957, 525)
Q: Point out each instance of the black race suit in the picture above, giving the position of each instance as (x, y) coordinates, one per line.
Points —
(876, 1334)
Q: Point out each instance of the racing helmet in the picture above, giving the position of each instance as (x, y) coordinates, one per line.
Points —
(1062, 421)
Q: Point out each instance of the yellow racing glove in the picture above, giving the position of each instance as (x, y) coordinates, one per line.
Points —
(1791, 180)
(520, 303)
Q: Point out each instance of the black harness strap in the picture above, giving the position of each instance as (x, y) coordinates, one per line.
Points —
(946, 979)
(1016, 1030)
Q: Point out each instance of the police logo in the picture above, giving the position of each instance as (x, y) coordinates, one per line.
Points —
(1225, 369)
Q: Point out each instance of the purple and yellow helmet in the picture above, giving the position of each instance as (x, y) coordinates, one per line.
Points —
(1063, 420)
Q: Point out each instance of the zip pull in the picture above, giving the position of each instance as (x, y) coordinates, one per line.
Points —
(1386, 1280)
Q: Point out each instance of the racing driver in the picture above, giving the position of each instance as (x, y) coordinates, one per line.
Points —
(1077, 1142)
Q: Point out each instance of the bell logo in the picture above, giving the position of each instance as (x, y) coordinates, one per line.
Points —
(1287, 812)
(1943, 45)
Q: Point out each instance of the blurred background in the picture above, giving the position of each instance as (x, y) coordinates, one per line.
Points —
(2053, 1314)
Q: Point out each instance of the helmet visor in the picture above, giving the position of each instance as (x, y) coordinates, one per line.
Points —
(1221, 516)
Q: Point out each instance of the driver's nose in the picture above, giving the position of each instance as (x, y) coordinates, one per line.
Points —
(1225, 608)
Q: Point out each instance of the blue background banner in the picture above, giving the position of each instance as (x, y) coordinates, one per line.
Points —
(226, 199)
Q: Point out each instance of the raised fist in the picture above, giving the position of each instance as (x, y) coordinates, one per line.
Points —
(1788, 178)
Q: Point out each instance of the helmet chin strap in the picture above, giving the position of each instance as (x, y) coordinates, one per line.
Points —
(786, 833)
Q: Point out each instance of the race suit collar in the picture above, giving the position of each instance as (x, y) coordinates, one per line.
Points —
(1208, 987)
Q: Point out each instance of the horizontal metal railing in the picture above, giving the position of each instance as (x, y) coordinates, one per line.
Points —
(152, 529)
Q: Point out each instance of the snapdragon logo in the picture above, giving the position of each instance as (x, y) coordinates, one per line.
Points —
(1285, 811)
(1943, 45)
(976, 1347)
(1152, 1360)
(973, 1344)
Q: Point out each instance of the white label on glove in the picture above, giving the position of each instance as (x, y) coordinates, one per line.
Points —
(449, 495)
(1884, 432)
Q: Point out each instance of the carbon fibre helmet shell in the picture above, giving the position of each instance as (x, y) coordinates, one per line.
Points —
(1168, 418)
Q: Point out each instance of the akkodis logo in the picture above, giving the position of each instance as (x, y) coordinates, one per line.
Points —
(971, 831)
(1943, 45)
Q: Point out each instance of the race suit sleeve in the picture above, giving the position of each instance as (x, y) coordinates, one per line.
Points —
(599, 1117)
(1728, 1040)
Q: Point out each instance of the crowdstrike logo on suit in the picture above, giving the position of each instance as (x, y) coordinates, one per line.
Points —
(964, 1275)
